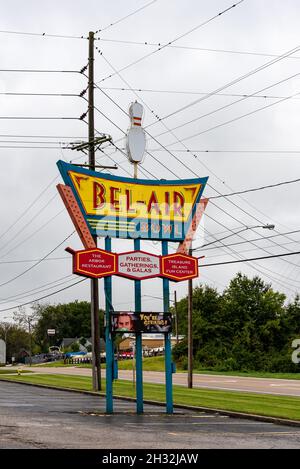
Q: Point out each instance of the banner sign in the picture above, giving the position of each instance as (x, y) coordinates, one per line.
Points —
(151, 323)
(94, 263)
(134, 208)
(136, 265)
(179, 267)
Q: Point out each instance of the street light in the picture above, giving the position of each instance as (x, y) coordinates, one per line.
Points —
(190, 297)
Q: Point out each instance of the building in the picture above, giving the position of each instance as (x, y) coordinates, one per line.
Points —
(149, 342)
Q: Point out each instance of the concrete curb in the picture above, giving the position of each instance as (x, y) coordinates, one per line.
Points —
(227, 413)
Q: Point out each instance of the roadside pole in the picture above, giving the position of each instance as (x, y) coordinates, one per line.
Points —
(168, 351)
(176, 316)
(95, 323)
(138, 335)
(190, 330)
(108, 337)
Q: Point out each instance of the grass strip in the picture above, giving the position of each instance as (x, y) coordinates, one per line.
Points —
(158, 364)
(261, 404)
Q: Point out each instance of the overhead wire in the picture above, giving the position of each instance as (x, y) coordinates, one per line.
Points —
(25, 33)
(18, 295)
(20, 232)
(228, 105)
(234, 95)
(20, 217)
(230, 121)
(125, 17)
(202, 49)
(34, 233)
(180, 141)
(235, 81)
(163, 46)
(163, 145)
(37, 263)
(43, 297)
(253, 259)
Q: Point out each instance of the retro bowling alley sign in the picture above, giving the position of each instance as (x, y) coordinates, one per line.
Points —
(134, 208)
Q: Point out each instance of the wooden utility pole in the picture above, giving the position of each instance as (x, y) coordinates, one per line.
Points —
(190, 330)
(95, 323)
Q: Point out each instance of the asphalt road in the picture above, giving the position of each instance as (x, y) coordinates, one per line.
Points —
(288, 387)
(32, 417)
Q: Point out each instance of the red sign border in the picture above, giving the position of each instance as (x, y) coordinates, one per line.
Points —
(179, 279)
(83, 273)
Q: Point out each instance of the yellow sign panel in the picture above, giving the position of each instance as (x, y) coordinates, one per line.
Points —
(105, 197)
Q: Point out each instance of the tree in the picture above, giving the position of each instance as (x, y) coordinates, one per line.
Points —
(69, 320)
(17, 340)
(26, 320)
(248, 327)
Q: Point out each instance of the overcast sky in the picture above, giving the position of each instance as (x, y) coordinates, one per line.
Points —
(202, 59)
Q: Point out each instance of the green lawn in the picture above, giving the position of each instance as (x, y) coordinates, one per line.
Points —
(10, 371)
(261, 404)
(157, 364)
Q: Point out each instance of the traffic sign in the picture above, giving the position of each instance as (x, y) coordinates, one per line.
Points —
(179, 267)
(51, 331)
(95, 263)
(138, 265)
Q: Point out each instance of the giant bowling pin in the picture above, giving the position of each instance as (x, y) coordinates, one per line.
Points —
(136, 139)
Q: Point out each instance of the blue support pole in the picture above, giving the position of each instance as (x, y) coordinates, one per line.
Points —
(138, 342)
(168, 352)
(108, 337)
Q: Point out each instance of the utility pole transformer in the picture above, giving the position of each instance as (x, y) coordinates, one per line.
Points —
(95, 323)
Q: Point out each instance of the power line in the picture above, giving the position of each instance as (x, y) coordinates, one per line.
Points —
(39, 136)
(32, 147)
(174, 40)
(38, 118)
(3, 300)
(125, 17)
(21, 232)
(24, 261)
(236, 118)
(202, 49)
(40, 94)
(252, 259)
(256, 189)
(34, 70)
(262, 238)
(235, 81)
(226, 106)
(29, 207)
(230, 151)
(234, 95)
(43, 297)
(35, 232)
(24, 33)
(34, 142)
(37, 263)
(180, 141)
